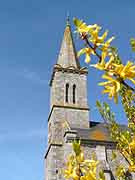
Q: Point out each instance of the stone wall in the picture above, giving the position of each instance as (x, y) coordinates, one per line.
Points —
(54, 163)
(59, 85)
(77, 118)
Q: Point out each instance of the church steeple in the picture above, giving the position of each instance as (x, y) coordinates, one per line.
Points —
(67, 56)
(68, 104)
(68, 85)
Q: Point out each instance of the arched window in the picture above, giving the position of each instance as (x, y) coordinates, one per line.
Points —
(67, 89)
(74, 93)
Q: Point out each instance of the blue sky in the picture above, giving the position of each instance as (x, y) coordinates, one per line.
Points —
(30, 35)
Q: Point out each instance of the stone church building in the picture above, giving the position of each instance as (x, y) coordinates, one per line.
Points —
(69, 117)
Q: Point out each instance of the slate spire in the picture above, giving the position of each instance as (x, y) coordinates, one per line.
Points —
(67, 56)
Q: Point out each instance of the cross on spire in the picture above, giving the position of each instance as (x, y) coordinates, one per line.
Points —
(68, 20)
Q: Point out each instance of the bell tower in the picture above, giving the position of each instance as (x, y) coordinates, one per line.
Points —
(68, 102)
(68, 85)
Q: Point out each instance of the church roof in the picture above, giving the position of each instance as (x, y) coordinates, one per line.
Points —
(67, 55)
(97, 132)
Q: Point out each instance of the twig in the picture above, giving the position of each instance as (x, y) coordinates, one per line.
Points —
(94, 49)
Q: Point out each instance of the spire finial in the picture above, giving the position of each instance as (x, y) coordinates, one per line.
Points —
(68, 21)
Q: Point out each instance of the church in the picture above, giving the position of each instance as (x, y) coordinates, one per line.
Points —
(68, 118)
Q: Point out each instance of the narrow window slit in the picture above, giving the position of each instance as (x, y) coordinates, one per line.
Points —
(67, 89)
(74, 94)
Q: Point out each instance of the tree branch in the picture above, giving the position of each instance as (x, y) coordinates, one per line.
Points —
(93, 48)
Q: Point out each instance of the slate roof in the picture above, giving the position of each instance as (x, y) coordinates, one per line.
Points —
(97, 131)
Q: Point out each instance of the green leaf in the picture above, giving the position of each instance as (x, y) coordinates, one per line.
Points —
(114, 155)
(82, 51)
(76, 147)
(77, 22)
(101, 175)
(98, 104)
(132, 43)
(107, 108)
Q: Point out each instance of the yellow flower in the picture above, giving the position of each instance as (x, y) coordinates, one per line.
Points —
(82, 27)
(120, 171)
(132, 168)
(102, 38)
(112, 86)
(68, 172)
(95, 39)
(87, 52)
(83, 178)
(80, 157)
(91, 175)
(132, 147)
(126, 72)
(74, 175)
(106, 45)
(105, 66)
(79, 168)
(94, 35)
